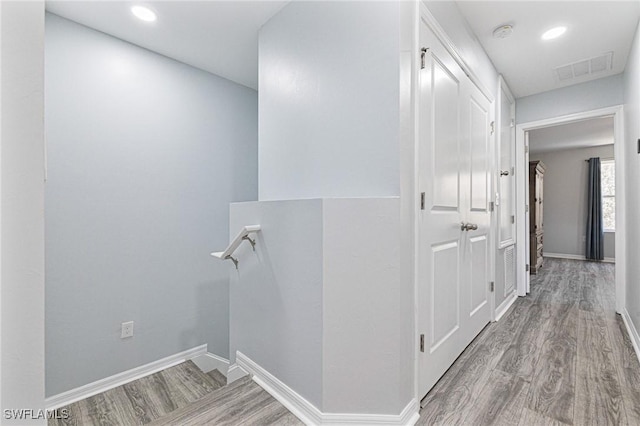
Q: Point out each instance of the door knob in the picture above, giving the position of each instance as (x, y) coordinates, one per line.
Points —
(468, 226)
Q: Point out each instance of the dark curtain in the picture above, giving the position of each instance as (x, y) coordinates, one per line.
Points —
(595, 227)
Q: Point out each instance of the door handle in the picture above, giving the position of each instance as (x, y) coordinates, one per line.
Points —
(468, 226)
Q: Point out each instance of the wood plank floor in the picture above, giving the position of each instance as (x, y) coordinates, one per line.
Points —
(241, 403)
(143, 400)
(559, 356)
(179, 395)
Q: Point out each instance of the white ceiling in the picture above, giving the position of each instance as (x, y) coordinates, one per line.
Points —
(222, 36)
(526, 61)
(217, 36)
(580, 134)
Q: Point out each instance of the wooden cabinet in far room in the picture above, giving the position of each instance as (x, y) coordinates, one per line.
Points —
(536, 222)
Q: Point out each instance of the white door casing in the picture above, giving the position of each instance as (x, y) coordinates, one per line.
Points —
(454, 172)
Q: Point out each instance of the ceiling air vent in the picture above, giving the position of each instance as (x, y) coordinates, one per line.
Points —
(585, 67)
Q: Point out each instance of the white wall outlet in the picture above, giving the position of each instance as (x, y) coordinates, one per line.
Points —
(127, 330)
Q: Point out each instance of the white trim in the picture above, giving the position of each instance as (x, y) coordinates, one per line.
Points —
(633, 332)
(309, 414)
(99, 386)
(235, 372)
(505, 305)
(428, 18)
(574, 257)
(619, 144)
(208, 362)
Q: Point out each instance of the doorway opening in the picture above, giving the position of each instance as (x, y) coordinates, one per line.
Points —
(530, 145)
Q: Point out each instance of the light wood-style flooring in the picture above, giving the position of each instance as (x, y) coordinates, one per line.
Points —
(559, 356)
(180, 395)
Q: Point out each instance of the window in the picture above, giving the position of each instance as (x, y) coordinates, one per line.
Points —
(608, 182)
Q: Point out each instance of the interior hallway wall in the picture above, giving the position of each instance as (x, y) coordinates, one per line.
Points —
(632, 135)
(22, 207)
(565, 200)
(144, 156)
(594, 94)
(329, 101)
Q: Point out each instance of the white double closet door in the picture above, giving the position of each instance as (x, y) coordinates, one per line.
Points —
(454, 220)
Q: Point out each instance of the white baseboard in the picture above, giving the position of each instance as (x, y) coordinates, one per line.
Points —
(209, 362)
(505, 305)
(119, 379)
(309, 414)
(575, 257)
(633, 332)
(235, 372)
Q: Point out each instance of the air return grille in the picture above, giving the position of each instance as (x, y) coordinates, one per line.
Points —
(585, 67)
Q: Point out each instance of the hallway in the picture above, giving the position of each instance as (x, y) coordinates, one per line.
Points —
(559, 356)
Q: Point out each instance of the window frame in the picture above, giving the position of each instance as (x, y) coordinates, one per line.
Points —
(602, 163)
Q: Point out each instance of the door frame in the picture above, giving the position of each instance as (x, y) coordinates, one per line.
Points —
(522, 183)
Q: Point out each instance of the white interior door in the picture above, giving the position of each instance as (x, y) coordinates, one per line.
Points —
(454, 178)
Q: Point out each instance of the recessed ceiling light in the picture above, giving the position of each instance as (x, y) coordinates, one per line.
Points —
(554, 33)
(144, 13)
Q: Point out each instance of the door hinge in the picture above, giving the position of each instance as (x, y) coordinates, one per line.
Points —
(513, 219)
(492, 206)
(493, 127)
(526, 148)
(527, 268)
(422, 343)
(422, 201)
(513, 171)
(423, 57)
(492, 286)
(526, 208)
(513, 123)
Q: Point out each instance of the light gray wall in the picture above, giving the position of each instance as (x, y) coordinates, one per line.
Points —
(565, 200)
(276, 294)
(594, 94)
(367, 320)
(632, 134)
(320, 304)
(144, 156)
(329, 101)
(22, 204)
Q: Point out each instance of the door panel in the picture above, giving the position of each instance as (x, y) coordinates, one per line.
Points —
(446, 180)
(453, 172)
(506, 183)
(479, 149)
(479, 273)
(445, 293)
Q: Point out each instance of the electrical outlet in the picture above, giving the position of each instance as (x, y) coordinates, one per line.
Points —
(127, 330)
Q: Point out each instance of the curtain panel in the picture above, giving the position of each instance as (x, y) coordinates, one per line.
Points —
(595, 227)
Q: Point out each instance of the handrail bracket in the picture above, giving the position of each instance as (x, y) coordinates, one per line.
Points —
(252, 242)
(243, 235)
(233, 259)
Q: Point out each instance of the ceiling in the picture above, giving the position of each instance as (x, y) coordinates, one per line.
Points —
(527, 62)
(222, 36)
(217, 36)
(579, 134)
